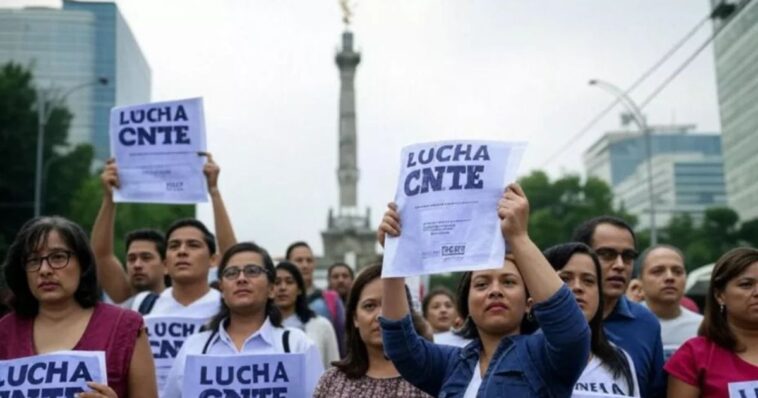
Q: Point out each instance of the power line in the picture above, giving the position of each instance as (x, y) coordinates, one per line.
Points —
(641, 79)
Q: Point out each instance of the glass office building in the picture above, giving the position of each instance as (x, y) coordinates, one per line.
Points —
(688, 175)
(736, 57)
(72, 46)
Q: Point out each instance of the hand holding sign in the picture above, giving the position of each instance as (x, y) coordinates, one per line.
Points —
(109, 177)
(390, 224)
(513, 210)
(211, 171)
(99, 391)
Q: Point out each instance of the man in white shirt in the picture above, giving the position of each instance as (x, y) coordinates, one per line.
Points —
(663, 277)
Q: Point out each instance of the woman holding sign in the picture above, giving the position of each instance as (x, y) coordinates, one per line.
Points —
(500, 361)
(366, 371)
(610, 369)
(723, 360)
(248, 323)
(56, 307)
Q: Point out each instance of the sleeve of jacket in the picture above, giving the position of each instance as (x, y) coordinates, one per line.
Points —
(659, 381)
(419, 361)
(567, 336)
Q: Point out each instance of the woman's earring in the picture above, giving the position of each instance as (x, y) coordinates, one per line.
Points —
(529, 316)
(722, 309)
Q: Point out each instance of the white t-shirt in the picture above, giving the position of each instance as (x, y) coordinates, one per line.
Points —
(321, 331)
(204, 307)
(450, 338)
(674, 332)
(598, 381)
(476, 381)
(267, 340)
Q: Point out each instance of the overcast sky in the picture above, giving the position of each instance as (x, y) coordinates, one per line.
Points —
(430, 70)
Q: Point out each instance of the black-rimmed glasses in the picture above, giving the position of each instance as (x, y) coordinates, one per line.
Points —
(56, 260)
(607, 255)
(249, 270)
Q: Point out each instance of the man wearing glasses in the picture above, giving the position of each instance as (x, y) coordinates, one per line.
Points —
(629, 325)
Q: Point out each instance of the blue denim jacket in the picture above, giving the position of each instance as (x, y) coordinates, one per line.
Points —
(544, 364)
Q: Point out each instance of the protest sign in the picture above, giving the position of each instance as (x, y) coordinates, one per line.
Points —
(58, 374)
(156, 149)
(447, 197)
(743, 389)
(245, 375)
(166, 335)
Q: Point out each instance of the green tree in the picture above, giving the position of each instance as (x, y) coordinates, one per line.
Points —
(558, 207)
(749, 232)
(18, 143)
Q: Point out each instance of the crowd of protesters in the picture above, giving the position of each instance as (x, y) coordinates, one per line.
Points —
(586, 318)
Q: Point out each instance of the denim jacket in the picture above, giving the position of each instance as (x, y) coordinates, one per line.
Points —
(544, 364)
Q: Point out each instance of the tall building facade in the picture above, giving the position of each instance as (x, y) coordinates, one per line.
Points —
(688, 174)
(349, 237)
(73, 46)
(736, 58)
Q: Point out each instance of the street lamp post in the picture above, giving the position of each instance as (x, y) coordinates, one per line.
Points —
(639, 120)
(43, 114)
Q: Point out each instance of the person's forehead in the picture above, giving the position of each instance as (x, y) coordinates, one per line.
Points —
(372, 290)
(244, 258)
(186, 233)
(663, 256)
(341, 271)
(53, 240)
(508, 269)
(580, 263)
(141, 246)
(301, 251)
(609, 235)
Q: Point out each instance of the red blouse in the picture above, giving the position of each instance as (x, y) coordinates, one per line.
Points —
(110, 329)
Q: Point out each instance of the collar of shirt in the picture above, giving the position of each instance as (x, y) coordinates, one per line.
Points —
(264, 335)
(622, 309)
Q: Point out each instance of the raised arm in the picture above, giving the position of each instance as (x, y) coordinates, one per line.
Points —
(394, 303)
(540, 278)
(224, 230)
(110, 272)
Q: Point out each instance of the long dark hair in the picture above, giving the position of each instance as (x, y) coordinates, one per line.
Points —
(611, 357)
(715, 326)
(33, 233)
(356, 362)
(273, 314)
(468, 330)
(302, 310)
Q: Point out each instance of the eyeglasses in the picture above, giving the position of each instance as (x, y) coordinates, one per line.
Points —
(56, 260)
(606, 254)
(249, 270)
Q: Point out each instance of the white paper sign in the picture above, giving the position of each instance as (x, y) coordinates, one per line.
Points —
(166, 335)
(58, 374)
(743, 389)
(156, 149)
(245, 375)
(447, 196)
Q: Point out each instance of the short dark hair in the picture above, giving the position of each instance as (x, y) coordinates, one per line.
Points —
(558, 256)
(586, 231)
(714, 325)
(469, 329)
(208, 237)
(302, 310)
(294, 246)
(150, 235)
(33, 233)
(337, 265)
(443, 291)
(643, 256)
(274, 316)
(355, 363)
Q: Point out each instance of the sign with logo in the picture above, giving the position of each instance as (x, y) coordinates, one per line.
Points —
(60, 374)
(447, 197)
(166, 335)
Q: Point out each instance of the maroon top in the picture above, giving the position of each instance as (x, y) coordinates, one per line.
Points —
(110, 329)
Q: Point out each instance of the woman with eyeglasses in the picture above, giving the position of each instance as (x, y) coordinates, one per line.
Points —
(292, 302)
(722, 362)
(56, 307)
(249, 322)
(502, 360)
